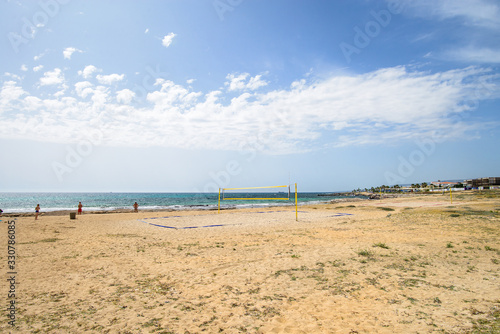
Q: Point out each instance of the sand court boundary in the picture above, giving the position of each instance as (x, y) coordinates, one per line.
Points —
(184, 222)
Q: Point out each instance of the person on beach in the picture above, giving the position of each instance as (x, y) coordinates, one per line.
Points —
(37, 211)
(80, 206)
(1, 212)
(136, 207)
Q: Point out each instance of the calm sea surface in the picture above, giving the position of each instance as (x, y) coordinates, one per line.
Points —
(26, 202)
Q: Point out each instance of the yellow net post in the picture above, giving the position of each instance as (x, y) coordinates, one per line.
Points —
(296, 211)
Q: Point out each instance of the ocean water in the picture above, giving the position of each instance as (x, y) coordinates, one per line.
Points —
(26, 202)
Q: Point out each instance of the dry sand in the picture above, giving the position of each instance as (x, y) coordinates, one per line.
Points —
(401, 265)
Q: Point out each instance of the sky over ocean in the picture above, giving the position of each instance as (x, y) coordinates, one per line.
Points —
(190, 96)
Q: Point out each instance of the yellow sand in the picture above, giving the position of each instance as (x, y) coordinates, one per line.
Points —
(425, 266)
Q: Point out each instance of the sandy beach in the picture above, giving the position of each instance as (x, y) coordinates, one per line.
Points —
(416, 264)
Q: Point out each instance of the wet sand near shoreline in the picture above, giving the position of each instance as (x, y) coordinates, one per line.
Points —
(415, 264)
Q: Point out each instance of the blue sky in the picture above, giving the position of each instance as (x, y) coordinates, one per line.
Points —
(195, 95)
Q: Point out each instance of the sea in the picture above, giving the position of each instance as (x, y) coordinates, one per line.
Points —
(22, 202)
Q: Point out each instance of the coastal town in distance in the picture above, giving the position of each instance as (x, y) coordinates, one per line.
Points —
(455, 185)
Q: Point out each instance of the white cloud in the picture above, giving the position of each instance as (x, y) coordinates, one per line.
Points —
(83, 88)
(387, 106)
(12, 75)
(146, 31)
(88, 71)
(32, 103)
(190, 81)
(477, 12)
(38, 57)
(69, 51)
(474, 55)
(10, 92)
(100, 97)
(236, 82)
(424, 37)
(239, 82)
(109, 79)
(125, 96)
(256, 83)
(471, 45)
(54, 77)
(482, 13)
(171, 95)
(24, 68)
(167, 40)
(61, 92)
(37, 68)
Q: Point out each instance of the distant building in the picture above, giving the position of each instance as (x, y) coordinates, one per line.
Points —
(439, 184)
(483, 183)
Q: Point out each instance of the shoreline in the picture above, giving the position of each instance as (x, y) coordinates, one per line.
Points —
(321, 199)
(57, 204)
(115, 211)
(208, 207)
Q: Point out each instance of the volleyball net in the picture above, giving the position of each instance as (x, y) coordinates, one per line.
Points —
(249, 194)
